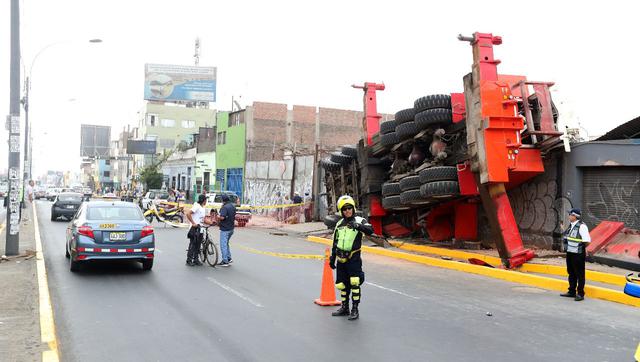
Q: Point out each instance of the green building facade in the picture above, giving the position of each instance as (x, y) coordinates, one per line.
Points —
(230, 152)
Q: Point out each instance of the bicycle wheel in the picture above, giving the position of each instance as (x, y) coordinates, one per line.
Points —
(212, 253)
(202, 253)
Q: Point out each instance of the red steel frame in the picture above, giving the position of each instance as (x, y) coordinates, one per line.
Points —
(372, 126)
(500, 161)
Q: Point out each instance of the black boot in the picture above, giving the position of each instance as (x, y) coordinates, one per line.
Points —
(344, 310)
(354, 312)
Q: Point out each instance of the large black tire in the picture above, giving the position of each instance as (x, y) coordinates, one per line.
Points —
(412, 197)
(390, 139)
(410, 183)
(391, 188)
(147, 264)
(331, 220)
(439, 173)
(54, 217)
(440, 189)
(437, 117)
(388, 127)
(340, 158)
(392, 202)
(432, 101)
(405, 115)
(329, 165)
(407, 130)
(350, 151)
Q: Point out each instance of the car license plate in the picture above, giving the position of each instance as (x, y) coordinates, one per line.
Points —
(70, 207)
(117, 236)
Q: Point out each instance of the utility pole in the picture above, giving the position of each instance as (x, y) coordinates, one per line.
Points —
(27, 147)
(13, 125)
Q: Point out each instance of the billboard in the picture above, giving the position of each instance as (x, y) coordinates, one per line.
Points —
(141, 147)
(172, 83)
(94, 141)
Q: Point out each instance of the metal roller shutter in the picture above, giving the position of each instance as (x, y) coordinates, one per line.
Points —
(611, 193)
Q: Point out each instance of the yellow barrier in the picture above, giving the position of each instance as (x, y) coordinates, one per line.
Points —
(595, 276)
(508, 275)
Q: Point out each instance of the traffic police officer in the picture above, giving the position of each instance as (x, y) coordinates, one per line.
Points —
(347, 241)
(576, 238)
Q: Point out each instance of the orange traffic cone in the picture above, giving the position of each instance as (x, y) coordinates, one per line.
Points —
(327, 290)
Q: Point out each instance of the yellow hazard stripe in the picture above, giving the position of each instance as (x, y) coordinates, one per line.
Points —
(282, 255)
(591, 275)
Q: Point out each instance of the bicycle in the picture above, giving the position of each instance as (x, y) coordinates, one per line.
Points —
(208, 249)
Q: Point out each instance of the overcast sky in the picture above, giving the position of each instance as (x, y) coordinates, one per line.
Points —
(295, 53)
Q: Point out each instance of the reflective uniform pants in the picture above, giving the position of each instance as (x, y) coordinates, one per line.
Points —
(349, 277)
(575, 269)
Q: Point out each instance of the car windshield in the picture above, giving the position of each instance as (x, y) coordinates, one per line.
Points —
(113, 213)
(72, 198)
(233, 198)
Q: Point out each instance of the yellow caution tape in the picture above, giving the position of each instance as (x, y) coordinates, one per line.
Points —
(255, 207)
(282, 255)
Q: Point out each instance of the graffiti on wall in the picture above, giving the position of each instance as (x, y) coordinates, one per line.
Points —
(539, 211)
(615, 202)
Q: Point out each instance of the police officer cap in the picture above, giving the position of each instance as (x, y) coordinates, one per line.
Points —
(576, 212)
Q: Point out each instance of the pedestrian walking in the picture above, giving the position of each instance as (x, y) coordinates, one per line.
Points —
(307, 207)
(226, 221)
(195, 215)
(576, 238)
(29, 199)
(347, 241)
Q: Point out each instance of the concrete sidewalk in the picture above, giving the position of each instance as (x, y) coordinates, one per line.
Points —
(19, 300)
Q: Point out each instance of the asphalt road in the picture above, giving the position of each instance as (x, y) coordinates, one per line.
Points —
(261, 309)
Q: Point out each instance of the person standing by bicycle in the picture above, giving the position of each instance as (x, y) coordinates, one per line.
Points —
(226, 221)
(195, 215)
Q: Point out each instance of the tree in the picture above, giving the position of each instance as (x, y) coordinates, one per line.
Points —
(150, 176)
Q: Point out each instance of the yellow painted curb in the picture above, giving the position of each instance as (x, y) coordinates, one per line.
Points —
(595, 276)
(47, 324)
(509, 275)
(637, 355)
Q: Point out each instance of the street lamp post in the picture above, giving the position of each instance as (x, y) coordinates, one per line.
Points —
(28, 144)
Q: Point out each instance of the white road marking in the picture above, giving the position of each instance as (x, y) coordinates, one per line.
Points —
(233, 291)
(392, 290)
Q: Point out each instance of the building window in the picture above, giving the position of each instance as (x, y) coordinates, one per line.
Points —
(188, 124)
(107, 162)
(236, 119)
(222, 138)
(107, 174)
(166, 143)
(152, 120)
(168, 122)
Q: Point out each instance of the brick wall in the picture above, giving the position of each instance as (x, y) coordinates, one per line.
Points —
(272, 122)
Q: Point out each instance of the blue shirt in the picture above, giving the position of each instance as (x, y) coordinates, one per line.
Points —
(228, 211)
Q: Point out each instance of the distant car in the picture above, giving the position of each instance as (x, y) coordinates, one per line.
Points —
(109, 230)
(52, 193)
(214, 200)
(66, 204)
(110, 195)
(40, 192)
(87, 193)
(155, 196)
